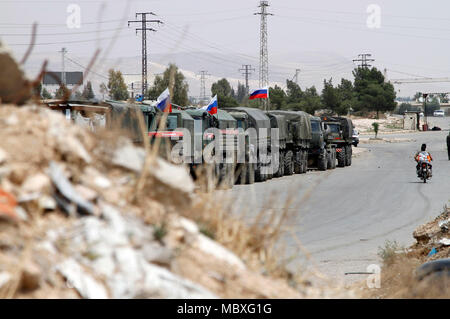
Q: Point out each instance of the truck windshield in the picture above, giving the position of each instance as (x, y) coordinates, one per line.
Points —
(315, 126)
(172, 122)
(240, 124)
(334, 128)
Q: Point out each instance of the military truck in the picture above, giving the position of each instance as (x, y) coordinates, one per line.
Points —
(96, 115)
(340, 135)
(223, 168)
(256, 146)
(321, 153)
(245, 169)
(230, 135)
(279, 122)
(298, 141)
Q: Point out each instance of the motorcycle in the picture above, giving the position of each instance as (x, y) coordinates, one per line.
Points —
(424, 171)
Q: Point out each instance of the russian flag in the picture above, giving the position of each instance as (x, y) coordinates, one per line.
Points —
(212, 106)
(163, 102)
(260, 94)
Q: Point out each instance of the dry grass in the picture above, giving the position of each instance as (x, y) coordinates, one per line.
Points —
(398, 280)
(255, 239)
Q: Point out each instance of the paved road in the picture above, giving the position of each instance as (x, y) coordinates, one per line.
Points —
(343, 216)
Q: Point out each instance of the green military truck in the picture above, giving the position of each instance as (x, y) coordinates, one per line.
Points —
(245, 168)
(321, 153)
(340, 131)
(224, 165)
(280, 123)
(298, 140)
(230, 135)
(257, 142)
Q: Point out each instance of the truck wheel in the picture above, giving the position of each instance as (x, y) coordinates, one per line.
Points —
(250, 173)
(341, 158)
(305, 162)
(229, 176)
(258, 176)
(330, 160)
(289, 163)
(322, 162)
(348, 153)
(279, 170)
(298, 162)
(333, 158)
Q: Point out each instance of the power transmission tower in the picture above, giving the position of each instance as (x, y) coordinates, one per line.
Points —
(297, 72)
(246, 69)
(363, 58)
(63, 70)
(203, 75)
(144, 28)
(264, 55)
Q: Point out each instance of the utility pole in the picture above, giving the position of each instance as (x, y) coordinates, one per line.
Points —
(246, 69)
(203, 75)
(144, 28)
(264, 55)
(63, 70)
(363, 58)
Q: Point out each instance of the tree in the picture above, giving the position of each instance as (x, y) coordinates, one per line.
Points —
(331, 98)
(346, 93)
(298, 100)
(294, 93)
(443, 97)
(277, 97)
(432, 104)
(37, 90)
(311, 101)
(241, 94)
(77, 95)
(223, 90)
(180, 87)
(372, 92)
(116, 86)
(62, 92)
(46, 94)
(103, 90)
(88, 92)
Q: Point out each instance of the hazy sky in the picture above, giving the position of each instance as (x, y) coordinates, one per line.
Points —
(320, 37)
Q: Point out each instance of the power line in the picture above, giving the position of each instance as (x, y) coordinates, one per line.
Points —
(144, 30)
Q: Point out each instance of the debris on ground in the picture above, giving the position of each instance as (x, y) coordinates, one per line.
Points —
(416, 272)
(434, 235)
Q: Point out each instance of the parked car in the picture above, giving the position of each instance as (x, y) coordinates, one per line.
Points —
(439, 113)
(355, 137)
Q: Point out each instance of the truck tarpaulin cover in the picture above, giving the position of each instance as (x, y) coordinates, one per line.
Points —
(303, 119)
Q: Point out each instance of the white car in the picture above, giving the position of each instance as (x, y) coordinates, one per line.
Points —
(439, 113)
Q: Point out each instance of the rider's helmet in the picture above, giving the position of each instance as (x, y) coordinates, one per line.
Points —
(424, 147)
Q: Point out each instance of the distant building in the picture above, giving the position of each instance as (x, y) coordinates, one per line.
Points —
(52, 80)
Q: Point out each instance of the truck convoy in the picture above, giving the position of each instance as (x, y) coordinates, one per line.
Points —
(246, 145)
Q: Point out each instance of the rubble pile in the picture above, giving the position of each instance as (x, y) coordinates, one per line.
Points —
(73, 224)
(433, 238)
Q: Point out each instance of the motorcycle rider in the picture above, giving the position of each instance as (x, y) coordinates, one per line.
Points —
(423, 156)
